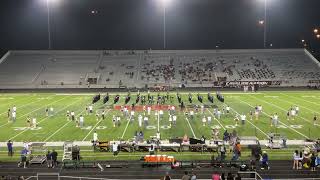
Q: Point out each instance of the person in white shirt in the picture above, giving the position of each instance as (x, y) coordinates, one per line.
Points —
(115, 149)
(140, 120)
(95, 137)
(161, 114)
(209, 120)
(81, 121)
(125, 112)
(202, 109)
(170, 120)
(173, 110)
(228, 109)
(297, 110)
(131, 116)
(51, 111)
(114, 120)
(34, 122)
(149, 110)
(68, 115)
(260, 109)
(72, 115)
(118, 122)
(103, 115)
(236, 120)
(191, 114)
(97, 115)
(14, 116)
(275, 120)
(243, 119)
(174, 120)
(14, 108)
(204, 120)
(293, 113)
(90, 109)
(146, 119)
(218, 114)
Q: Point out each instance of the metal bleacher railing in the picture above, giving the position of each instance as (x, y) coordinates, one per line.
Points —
(246, 175)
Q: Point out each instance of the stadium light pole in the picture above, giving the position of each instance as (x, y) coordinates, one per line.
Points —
(265, 24)
(164, 4)
(48, 24)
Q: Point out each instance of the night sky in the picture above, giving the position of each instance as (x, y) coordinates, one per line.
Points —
(138, 24)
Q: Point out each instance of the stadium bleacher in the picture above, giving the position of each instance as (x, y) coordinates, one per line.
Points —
(195, 68)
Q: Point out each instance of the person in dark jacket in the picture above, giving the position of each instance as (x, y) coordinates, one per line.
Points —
(49, 159)
(10, 148)
(54, 156)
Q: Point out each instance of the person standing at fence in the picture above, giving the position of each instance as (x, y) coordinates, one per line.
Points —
(49, 159)
(10, 148)
(54, 156)
(115, 149)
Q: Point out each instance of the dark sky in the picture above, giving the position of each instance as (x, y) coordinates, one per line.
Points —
(138, 24)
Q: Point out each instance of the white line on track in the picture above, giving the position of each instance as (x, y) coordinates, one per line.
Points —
(62, 127)
(269, 116)
(93, 127)
(216, 120)
(45, 117)
(191, 128)
(300, 99)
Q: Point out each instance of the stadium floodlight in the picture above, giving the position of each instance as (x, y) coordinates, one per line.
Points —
(166, 2)
(318, 36)
(315, 31)
(261, 22)
(303, 40)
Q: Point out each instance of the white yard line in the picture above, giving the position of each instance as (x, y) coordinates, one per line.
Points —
(191, 128)
(94, 127)
(45, 117)
(4, 124)
(300, 99)
(279, 120)
(216, 120)
(62, 127)
(125, 130)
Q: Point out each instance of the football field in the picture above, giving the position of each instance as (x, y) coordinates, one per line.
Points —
(58, 128)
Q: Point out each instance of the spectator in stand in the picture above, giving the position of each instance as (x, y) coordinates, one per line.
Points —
(296, 158)
(194, 176)
(313, 162)
(167, 176)
(238, 177)
(185, 176)
(265, 161)
(222, 177)
(216, 176)
(230, 176)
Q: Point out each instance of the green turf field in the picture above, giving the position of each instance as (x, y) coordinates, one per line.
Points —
(57, 128)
